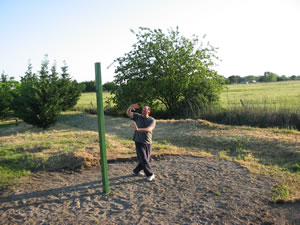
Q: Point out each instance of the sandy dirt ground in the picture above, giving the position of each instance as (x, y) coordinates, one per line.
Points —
(187, 190)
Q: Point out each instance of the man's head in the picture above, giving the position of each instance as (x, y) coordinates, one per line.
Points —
(146, 111)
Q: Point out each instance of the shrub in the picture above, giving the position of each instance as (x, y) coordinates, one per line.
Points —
(41, 98)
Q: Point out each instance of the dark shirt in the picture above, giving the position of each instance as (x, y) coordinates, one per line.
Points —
(142, 122)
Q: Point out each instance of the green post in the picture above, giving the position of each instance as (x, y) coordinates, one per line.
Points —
(101, 129)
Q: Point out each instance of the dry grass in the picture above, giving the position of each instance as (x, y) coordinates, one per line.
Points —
(74, 142)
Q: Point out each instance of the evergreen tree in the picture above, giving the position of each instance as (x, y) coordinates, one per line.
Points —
(38, 101)
(41, 98)
(70, 89)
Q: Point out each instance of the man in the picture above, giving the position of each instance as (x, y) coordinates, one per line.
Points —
(143, 125)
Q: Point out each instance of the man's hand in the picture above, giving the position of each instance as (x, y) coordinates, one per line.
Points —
(134, 106)
(135, 126)
(130, 108)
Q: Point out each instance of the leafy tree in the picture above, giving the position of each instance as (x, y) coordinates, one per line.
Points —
(41, 98)
(234, 79)
(293, 77)
(89, 86)
(250, 78)
(268, 77)
(4, 77)
(109, 86)
(282, 78)
(7, 88)
(170, 69)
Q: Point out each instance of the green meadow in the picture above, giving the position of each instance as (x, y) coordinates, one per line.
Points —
(275, 95)
(89, 100)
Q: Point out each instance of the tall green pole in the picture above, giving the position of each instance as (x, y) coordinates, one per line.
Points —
(101, 129)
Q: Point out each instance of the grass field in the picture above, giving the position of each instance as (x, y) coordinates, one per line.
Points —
(274, 95)
(88, 100)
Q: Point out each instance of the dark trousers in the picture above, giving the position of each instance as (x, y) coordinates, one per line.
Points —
(143, 152)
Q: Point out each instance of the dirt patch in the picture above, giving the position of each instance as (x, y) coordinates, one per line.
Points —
(187, 190)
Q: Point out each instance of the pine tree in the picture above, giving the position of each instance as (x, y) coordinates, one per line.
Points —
(38, 101)
(70, 89)
(41, 98)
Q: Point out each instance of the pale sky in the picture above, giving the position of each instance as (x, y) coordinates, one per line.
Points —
(253, 36)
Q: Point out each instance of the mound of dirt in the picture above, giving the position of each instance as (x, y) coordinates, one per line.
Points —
(187, 190)
(72, 161)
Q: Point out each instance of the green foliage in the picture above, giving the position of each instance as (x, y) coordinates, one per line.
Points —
(109, 86)
(41, 98)
(295, 167)
(89, 86)
(280, 192)
(268, 77)
(167, 69)
(7, 88)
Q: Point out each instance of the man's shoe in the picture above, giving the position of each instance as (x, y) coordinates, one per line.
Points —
(141, 173)
(151, 178)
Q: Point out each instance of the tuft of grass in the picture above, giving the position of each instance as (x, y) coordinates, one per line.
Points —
(279, 193)
(9, 176)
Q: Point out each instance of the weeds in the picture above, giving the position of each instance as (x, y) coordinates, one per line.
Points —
(255, 117)
(235, 149)
(295, 168)
(279, 193)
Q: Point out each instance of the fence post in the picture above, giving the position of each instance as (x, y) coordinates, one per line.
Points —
(101, 129)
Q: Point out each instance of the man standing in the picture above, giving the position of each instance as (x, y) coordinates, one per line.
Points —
(143, 124)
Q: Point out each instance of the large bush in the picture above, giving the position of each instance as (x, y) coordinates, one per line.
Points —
(42, 97)
(167, 69)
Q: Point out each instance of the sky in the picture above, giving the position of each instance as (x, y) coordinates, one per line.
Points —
(252, 36)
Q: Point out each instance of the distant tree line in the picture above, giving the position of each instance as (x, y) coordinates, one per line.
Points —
(267, 77)
(90, 86)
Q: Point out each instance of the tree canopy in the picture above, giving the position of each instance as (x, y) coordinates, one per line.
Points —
(169, 69)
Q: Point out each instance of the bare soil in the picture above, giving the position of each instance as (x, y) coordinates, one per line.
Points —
(187, 190)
